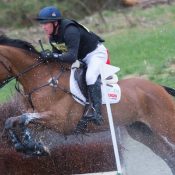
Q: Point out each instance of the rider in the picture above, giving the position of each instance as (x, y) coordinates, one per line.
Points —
(79, 44)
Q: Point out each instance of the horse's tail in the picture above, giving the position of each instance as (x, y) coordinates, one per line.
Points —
(171, 91)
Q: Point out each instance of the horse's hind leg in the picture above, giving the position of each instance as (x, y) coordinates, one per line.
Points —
(156, 143)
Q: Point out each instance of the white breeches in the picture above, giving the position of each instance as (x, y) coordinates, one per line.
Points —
(94, 60)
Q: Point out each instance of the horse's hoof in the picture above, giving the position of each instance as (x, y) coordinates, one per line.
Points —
(36, 149)
(19, 147)
(98, 121)
(42, 150)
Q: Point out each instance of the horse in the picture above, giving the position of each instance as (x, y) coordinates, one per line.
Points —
(146, 109)
(73, 155)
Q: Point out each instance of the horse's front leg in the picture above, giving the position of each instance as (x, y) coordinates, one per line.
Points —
(10, 124)
(26, 144)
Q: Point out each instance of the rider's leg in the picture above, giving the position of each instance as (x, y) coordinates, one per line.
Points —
(96, 99)
(94, 61)
(92, 110)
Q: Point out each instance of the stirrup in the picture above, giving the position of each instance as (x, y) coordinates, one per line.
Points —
(96, 118)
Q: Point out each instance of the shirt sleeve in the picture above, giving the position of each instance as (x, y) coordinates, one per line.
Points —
(72, 41)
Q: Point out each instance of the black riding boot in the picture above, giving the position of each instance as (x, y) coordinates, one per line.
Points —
(92, 111)
(96, 100)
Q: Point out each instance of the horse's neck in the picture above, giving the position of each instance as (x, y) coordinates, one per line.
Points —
(17, 58)
(38, 76)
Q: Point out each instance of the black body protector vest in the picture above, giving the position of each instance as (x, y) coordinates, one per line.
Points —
(88, 39)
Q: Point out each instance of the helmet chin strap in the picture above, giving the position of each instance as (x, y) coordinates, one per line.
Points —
(55, 27)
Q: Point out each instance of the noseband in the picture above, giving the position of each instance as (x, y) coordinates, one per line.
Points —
(12, 77)
(17, 76)
(9, 77)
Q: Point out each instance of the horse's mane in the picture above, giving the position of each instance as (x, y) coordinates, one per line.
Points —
(4, 40)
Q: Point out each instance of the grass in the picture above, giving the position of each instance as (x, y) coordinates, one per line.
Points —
(142, 51)
(7, 91)
(146, 48)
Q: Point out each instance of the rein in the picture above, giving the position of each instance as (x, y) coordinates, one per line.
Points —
(10, 78)
(52, 83)
(7, 80)
(4, 82)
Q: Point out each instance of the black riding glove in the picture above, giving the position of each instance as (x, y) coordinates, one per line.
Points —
(46, 55)
(57, 57)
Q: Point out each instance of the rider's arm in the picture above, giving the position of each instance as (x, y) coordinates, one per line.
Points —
(72, 40)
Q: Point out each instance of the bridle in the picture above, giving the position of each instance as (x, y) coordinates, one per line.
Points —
(16, 77)
(53, 82)
(9, 77)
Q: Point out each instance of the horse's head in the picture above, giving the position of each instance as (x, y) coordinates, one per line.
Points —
(14, 56)
(5, 71)
(19, 60)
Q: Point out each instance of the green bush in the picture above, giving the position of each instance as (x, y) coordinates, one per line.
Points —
(21, 13)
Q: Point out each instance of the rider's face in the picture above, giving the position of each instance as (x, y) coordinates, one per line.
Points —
(48, 28)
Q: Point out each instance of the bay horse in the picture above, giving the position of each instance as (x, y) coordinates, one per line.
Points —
(73, 155)
(146, 108)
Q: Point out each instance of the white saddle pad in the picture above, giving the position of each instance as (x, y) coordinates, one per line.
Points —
(113, 89)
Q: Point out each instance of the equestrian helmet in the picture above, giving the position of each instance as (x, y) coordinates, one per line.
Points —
(48, 14)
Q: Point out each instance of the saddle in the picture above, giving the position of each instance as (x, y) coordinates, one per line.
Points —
(79, 75)
(78, 84)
